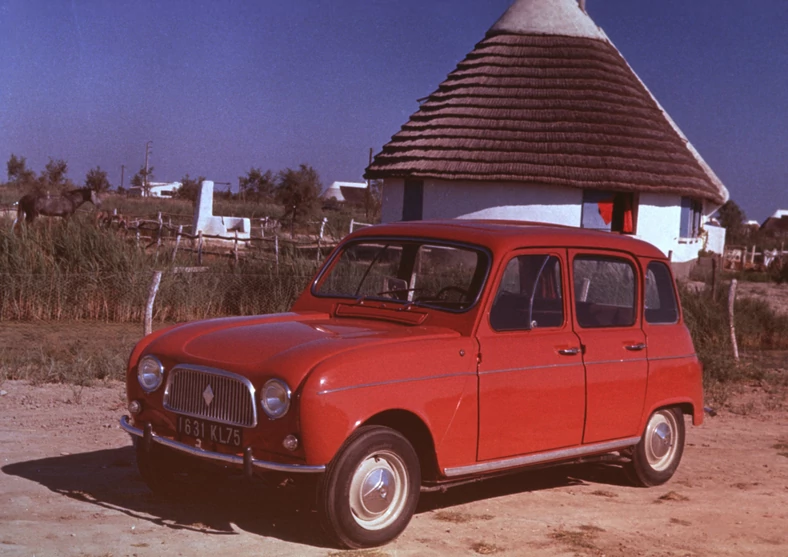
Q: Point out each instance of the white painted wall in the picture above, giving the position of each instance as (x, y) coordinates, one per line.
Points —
(498, 201)
(658, 219)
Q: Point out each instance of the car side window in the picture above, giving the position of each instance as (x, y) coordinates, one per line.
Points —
(529, 295)
(661, 305)
(605, 291)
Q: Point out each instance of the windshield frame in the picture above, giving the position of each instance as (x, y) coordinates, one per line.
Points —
(482, 251)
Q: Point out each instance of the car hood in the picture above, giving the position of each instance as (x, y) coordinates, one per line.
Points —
(285, 345)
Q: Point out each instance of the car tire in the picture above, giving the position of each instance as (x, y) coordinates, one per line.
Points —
(657, 455)
(370, 489)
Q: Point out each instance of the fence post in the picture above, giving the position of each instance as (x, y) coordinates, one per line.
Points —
(276, 249)
(138, 235)
(154, 288)
(199, 248)
(352, 222)
(177, 243)
(713, 277)
(731, 300)
(235, 246)
(158, 235)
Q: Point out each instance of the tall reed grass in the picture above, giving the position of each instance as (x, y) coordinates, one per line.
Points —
(74, 271)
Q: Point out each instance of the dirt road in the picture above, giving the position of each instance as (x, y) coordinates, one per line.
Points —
(68, 487)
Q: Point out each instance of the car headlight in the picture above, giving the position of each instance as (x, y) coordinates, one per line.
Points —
(275, 398)
(150, 373)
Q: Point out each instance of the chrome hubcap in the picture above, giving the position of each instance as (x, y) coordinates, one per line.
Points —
(375, 490)
(378, 490)
(661, 440)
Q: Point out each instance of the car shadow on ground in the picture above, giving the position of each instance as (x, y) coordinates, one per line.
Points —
(109, 479)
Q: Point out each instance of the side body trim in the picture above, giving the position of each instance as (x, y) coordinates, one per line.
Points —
(562, 454)
(395, 381)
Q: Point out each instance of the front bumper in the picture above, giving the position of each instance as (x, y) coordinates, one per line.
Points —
(247, 460)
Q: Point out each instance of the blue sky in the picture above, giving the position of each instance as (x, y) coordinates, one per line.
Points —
(221, 86)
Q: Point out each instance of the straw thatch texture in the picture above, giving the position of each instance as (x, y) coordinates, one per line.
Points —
(549, 110)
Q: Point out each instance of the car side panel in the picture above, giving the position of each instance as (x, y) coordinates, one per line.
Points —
(434, 380)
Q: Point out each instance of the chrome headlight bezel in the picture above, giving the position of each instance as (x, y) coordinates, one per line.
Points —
(150, 367)
(275, 398)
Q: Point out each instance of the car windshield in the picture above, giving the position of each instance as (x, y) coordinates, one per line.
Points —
(423, 273)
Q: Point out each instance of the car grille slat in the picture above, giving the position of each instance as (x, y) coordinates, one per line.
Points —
(232, 401)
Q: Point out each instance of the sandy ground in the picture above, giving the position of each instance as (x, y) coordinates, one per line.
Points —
(69, 487)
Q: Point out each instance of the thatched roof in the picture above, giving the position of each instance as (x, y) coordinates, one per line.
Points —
(560, 109)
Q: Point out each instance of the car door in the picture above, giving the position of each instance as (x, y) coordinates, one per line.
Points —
(531, 375)
(606, 317)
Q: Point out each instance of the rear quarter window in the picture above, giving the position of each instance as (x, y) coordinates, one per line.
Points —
(661, 304)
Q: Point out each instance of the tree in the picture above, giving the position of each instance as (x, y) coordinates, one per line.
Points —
(373, 197)
(257, 184)
(299, 192)
(53, 178)
(190, 187)
(732, 219)
(142, 180)
(96, 179)
(17, 170)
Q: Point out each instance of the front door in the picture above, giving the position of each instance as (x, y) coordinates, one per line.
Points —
(607, 321)
(531, 376)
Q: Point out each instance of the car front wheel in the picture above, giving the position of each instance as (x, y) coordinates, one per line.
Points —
(657, 455)
(370, 490)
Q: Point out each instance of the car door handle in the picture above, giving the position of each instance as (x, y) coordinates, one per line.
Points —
(635, 347)
(569, 351)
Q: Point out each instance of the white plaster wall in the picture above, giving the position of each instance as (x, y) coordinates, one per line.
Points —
(502, 201)
(499, 201)
(716, 241)
(391, 200)
(658, 220)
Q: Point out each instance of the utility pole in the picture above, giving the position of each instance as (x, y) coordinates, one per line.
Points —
(146, 185)
(122, 172)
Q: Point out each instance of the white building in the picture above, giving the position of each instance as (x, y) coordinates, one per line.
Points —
(351, 192)
(545, 121)
(157, 189)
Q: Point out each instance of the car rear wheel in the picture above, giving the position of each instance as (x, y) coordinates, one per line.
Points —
(657, 455)
(370, 490)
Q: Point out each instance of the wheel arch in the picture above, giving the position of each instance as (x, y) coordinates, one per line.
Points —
(687, 407)
(413, 428)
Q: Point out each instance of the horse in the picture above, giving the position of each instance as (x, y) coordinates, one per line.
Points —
(64, 205)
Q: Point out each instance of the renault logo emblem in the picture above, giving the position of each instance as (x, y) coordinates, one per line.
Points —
(207, 395)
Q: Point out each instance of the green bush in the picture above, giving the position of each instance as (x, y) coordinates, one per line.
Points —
(758, 327)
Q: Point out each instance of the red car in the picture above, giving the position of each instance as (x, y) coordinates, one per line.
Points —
(425, 354)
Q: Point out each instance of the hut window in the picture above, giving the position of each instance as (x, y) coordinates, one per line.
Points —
(691, 211)
(413, 200)
(610, 211)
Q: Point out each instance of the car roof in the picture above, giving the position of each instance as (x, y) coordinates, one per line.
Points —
(506, 235)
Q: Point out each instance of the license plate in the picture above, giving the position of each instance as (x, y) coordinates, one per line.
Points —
(210, 431)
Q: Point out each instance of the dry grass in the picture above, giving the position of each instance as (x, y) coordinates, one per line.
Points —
(456, 517)
(604, 493)
(583, 538)
(484, 548)
(672, 496)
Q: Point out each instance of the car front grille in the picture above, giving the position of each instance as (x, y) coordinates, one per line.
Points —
(211, 394)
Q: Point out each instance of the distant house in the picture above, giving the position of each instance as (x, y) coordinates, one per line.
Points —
(157, 189)
(545, 121)
(346, 192)
(777, 224)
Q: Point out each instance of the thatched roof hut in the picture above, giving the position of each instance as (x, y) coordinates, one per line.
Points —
(546, 98)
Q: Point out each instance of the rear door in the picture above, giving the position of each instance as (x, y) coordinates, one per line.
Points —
(606, 318)
(531, 375)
